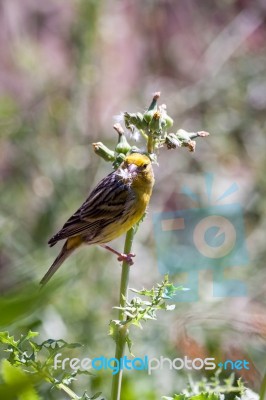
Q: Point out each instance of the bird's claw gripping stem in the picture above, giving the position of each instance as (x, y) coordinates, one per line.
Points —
(127, 258)
(121, 256)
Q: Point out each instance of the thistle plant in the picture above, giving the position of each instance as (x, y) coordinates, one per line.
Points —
(154, 126)
(29, 364)
(215, 389)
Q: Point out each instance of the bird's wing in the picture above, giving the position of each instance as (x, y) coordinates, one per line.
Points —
(108, 200)
(106, 203)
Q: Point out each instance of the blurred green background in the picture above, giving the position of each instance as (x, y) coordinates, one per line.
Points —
(66, 68)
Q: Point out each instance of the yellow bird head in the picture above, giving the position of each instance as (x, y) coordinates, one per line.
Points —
(137, 170)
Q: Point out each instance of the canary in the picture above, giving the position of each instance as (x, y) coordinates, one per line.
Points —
(115, 205)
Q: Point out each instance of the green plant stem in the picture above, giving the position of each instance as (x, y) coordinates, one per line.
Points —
(121, 336)
(68, 391)
(61, 385)
(263, 389)
(150, 144)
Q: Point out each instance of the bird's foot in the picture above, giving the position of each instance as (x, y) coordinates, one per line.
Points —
(121, 256)
(127, 258)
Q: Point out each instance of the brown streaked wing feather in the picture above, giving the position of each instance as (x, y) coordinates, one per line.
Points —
(112, 205)
(110, 192)
(106, 203)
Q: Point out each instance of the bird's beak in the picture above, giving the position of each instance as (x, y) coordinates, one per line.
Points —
(132, 168)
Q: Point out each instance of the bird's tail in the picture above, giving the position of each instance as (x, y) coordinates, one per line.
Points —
(70, 245)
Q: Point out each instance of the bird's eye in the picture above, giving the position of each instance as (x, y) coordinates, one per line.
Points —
(145, 166)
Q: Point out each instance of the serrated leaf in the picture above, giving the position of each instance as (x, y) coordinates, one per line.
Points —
(54, 345)
(137, 323)
(114, 326)
(6, 339)
(31, 335)
(129, 344)
(69, 377)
